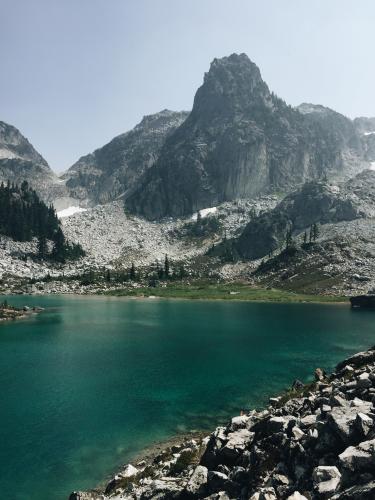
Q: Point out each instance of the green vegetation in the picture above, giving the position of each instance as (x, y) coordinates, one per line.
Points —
(23, 216)
(202, 227)
(227, 291)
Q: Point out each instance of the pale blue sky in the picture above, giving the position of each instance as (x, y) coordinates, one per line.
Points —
(75, 73)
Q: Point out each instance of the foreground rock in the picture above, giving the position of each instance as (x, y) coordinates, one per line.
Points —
(314, 442)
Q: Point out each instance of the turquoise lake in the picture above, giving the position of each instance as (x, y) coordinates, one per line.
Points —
(91, 381)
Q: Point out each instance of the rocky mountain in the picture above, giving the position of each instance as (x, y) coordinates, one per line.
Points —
(365, 125)
(20, 161)
(315, 202)
(241, 140)
(115, 169)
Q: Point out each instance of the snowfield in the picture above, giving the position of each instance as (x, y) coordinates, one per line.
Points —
(67, 212)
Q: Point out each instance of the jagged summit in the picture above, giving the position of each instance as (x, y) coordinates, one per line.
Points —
(239, 141)
(14, 145)
(19, 161)
(231, 85)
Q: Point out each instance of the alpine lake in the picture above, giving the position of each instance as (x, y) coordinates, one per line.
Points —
(90, 382)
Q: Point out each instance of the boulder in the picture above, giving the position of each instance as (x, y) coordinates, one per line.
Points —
(364, 423)
(239, 422)
(236, 444)
(341, 420)
(279, 424)
(357, 492)
(359, 359)
(326, 479)
(359, 458)
(197, 481)
(319, 374)
(264, 494)
(296, 496)
(216, 481)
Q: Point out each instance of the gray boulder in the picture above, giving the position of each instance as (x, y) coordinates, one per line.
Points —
(326, 480)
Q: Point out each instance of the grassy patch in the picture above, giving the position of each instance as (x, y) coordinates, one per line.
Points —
(223, 291)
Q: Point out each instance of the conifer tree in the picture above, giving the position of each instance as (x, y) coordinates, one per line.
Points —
(132, 275)
(166, 267)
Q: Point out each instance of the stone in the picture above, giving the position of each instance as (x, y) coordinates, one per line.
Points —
(357, 360)
(216, 481)
(319, 374)
(357, 492)
(279, 424)
(297, 433)
(359, 458)
(364, 423)
(296, 496)
(239, 422)
(197, 481)
(326, 479)
(236, 443)
(340, 420)
(264, 494)
(308, 420)
(221, 495)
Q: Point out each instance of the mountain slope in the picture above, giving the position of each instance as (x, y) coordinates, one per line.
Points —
(241, 140)
(19, 162)
(315, 202)
(115, 168)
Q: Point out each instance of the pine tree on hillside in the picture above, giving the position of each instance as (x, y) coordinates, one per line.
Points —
(23, 216)
(166, 267)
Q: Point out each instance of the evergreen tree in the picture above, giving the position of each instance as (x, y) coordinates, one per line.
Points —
(42, 246)
(166, 267)
(59, 247)
(305, 238)
(315, 231)
(288, 238)
(132, 275)
(23, 216)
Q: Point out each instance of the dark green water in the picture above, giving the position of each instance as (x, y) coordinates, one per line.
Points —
(91, 381)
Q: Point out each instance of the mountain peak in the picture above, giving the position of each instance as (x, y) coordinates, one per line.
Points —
(232, 84)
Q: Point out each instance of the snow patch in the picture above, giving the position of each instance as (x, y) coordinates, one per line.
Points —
(67, 212)
(372, 165)
(369, 133)
(204, 212)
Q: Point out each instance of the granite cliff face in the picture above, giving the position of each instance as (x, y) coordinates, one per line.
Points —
(115, 169)
(19, 161)
(241, 140)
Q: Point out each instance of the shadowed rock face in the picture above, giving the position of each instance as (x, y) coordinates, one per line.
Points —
(114, 169)
(241, 140)
(315, 202)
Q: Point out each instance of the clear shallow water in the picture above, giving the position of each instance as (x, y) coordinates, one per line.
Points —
(91, 381)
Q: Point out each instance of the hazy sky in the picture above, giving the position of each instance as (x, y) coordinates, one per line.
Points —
(75, 73)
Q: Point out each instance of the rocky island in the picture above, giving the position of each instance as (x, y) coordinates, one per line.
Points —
(315, 441)
(8, 312)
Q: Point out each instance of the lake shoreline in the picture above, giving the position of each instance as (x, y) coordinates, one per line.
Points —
(194, 465)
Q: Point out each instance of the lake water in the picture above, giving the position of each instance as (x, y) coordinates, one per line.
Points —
(89, 382)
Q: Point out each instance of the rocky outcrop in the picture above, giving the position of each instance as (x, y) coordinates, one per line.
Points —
(19, 162)
(115, 169)
(241, 140)
(315, 202)
(316, 441)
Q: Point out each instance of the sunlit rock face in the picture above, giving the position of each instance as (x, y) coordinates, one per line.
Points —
(115, 169)
(241, 140)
